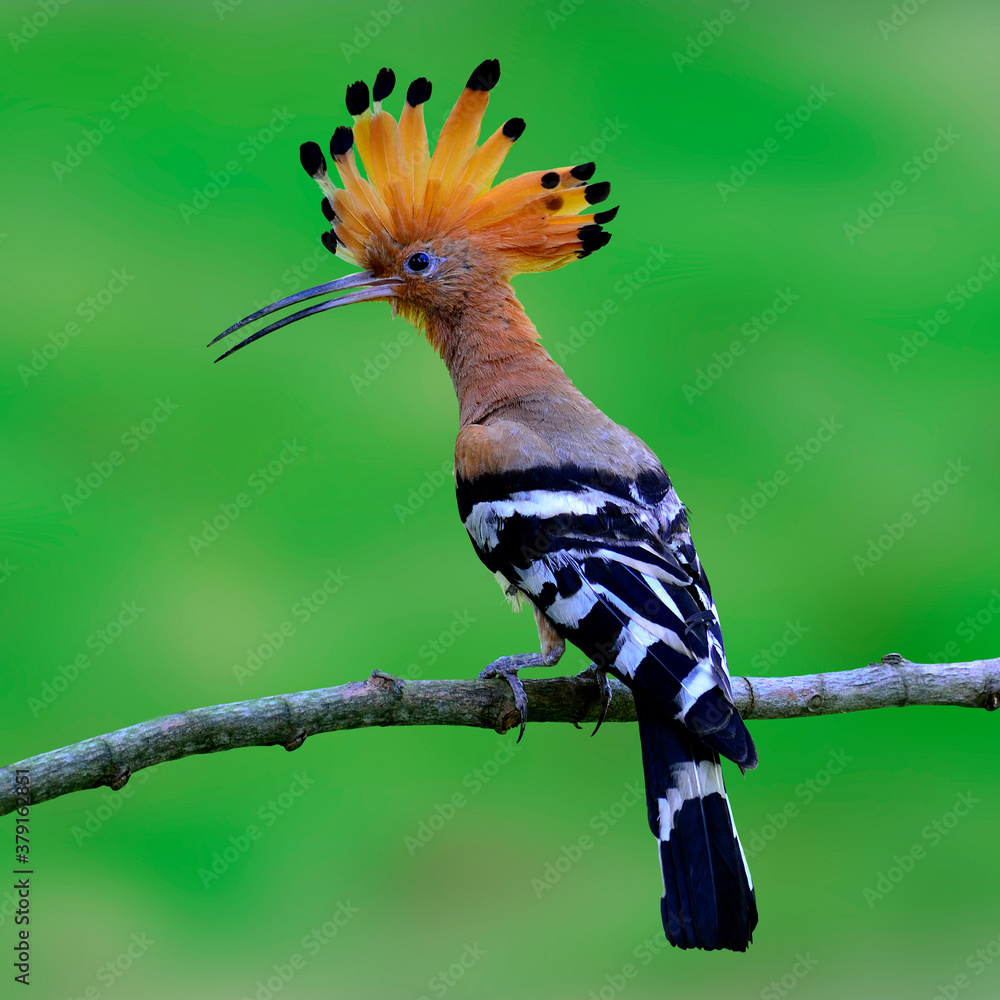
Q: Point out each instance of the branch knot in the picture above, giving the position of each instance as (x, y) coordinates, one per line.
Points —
(386, 683)
(120, 780)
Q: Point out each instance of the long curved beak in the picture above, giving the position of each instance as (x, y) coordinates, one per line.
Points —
(368, 288)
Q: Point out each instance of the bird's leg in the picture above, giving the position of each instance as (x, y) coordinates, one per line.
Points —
(604, 690)
(506, 668)
(553, 647)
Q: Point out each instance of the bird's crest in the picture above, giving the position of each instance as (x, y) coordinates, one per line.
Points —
(532, 222)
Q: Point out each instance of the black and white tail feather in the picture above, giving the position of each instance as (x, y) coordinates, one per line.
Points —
(708, 898)
(609, 560)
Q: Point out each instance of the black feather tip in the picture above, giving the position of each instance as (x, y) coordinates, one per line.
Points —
(594, 193)
(330, 215)
(329, 240)
(485, 75)
(584, 171)
(419, 92)
(312, 159)
(384, 83)
(601, 217)
(591, 238)
(513, 128)
(357, 98)
(341, 141)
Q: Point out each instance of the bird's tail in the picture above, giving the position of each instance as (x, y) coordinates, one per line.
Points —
(708, 898)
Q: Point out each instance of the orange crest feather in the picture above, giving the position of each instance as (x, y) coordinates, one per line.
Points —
(532, 221)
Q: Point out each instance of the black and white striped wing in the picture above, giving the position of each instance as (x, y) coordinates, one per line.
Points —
(610, 562)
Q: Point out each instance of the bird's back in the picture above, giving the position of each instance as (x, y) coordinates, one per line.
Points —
(576, 514)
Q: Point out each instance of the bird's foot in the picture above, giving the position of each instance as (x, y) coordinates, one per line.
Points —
(506, 668)
(603, 688)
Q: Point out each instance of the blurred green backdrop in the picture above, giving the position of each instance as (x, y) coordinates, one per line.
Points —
(835, 162)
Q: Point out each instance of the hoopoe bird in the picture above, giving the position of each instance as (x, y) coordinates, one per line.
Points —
(573, 514)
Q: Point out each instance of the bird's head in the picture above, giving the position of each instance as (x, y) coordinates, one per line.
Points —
(430, 231)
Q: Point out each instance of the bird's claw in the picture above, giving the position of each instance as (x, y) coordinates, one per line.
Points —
(506, 668)
(604, 689)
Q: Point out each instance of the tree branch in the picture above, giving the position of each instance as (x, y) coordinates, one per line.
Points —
(384, 700)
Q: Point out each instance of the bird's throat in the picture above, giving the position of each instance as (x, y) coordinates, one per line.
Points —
(496, 362)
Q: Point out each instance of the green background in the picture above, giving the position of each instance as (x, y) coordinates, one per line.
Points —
(672, 132)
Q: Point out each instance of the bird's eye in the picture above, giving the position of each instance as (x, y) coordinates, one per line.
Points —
(419, 262)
